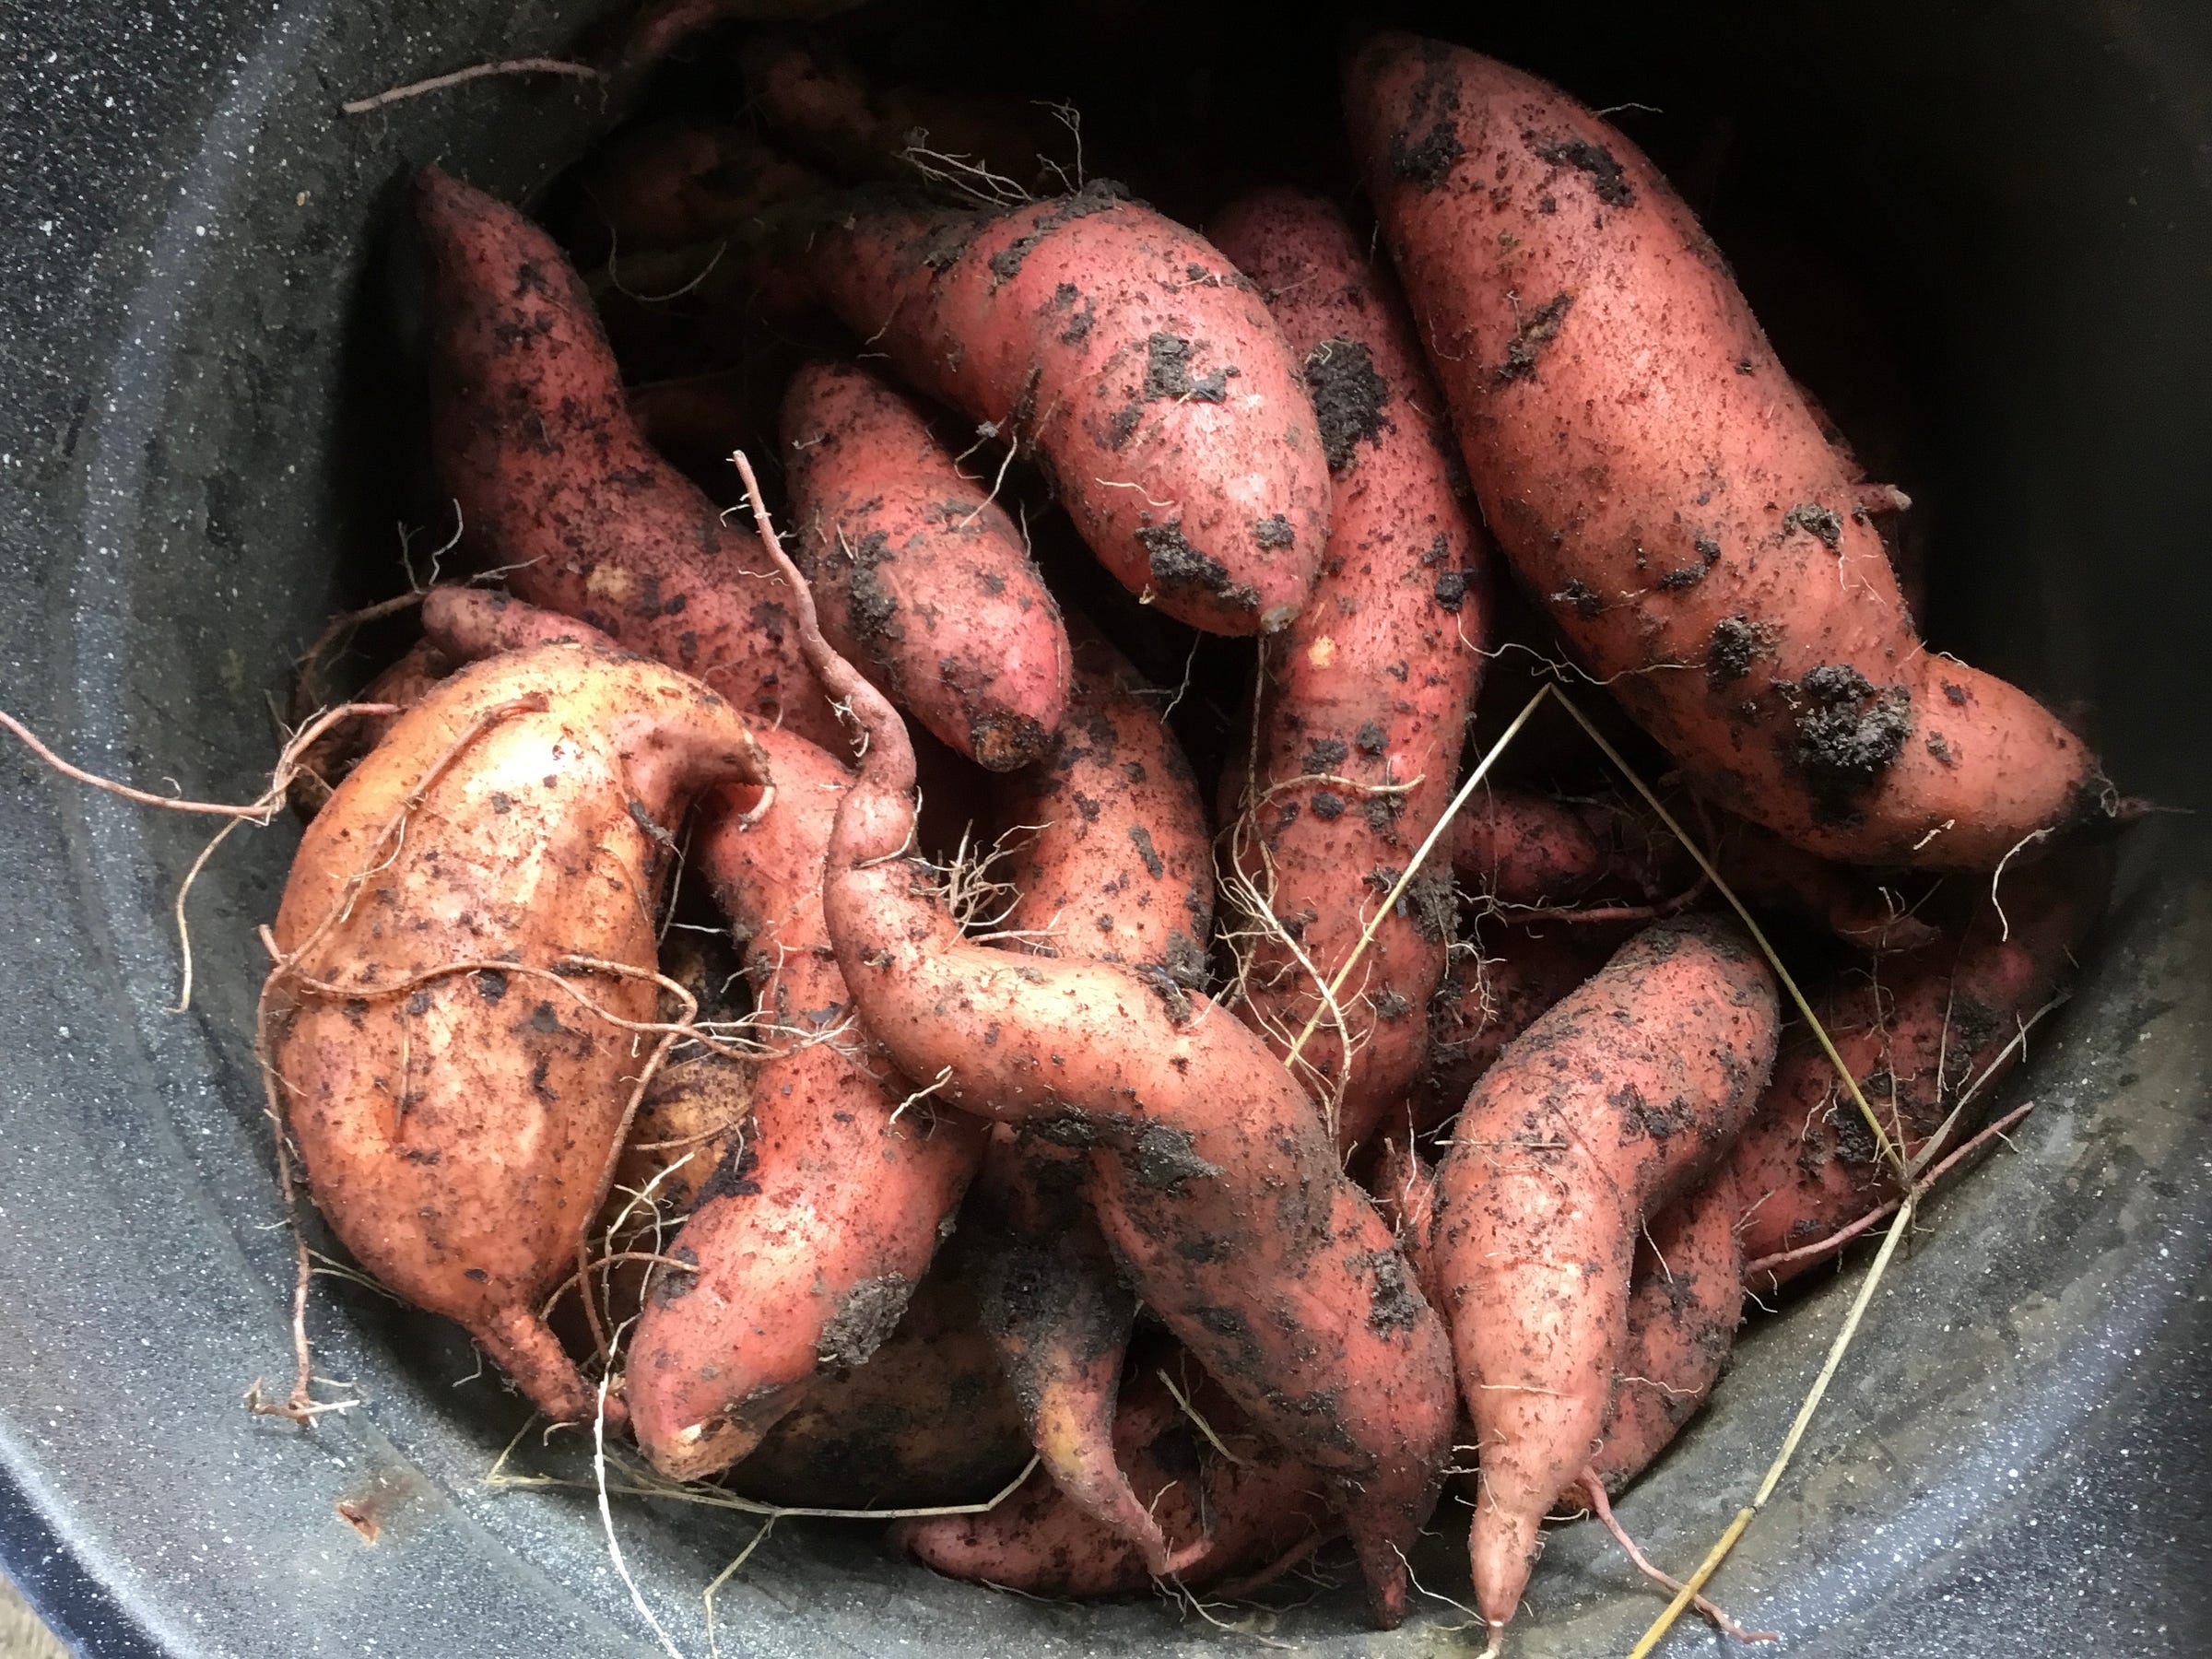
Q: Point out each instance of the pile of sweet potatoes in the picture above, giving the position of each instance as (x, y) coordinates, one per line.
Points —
(1222, 1104)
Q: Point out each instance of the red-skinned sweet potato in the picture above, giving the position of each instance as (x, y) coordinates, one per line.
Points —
(809, 1237)
(684, 179)
(927, 1420)
(1593, 1118)
(1111, 860)
(1223, 1197)
(1916, 1031)
(1657, 479)
(1365, 707)
(1222, 1518)
(1124, 356)
(533, 438)
(459, 1128)
(920, 577)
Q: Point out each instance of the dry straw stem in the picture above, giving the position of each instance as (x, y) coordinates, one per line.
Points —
(438, 83)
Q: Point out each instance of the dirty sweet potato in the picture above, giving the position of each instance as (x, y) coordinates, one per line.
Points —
(809, 1236)
(1364, 708)
(1223, 1196)
(1489, 998)
(1223, 1517)
(1110, 860)
(680, 180)
(533, 438)
(1658, 481)
(1916, 1031)
(467, 924)
(922, 580)
(1128, 358)
(1594, 1117)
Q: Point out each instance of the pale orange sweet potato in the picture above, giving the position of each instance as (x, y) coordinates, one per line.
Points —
(1365, 705)
(922, 580)
(1659, 483)
(809, 1236)
(1222, 1518)
(1596, 1116)
(533, 439)
(460, 1127)
(1223, 1196)
(1124, 355)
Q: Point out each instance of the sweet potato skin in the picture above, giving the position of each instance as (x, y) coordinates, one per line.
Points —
(1371, 685)
(926, 1420)
(1486, 1001)
(1660, 485)
(1111, 861)
(810, 1235)
(1127, 356)
(921, 577)
(1224, 1197)
(1221, 1518)
(459, 1135)
(1594, 1117)
(684, 179)
(533, 437)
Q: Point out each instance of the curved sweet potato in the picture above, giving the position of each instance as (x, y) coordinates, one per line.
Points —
(533, 438)
(682, 179)
(813, 97)
(1223, 1197)
(1655, 476)
(1223, 1517)
(920, 577)
(1365, 707)
(1916, 1031)
(1124, 356)
(460, 1128)
(1593, 1118)
(1686, 1297)
(810, 1235)
(1487, 1000)
(926, 1420)
(1111, 861)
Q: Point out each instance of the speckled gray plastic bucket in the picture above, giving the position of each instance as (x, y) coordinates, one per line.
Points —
(204, 444)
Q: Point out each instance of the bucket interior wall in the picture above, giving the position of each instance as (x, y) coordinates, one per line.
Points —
(210, 431)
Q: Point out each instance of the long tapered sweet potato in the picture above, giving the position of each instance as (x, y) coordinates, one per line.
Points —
(1659, 484)
(533, 438)
(1593, 1118)
(460, 1127)
(809, 1237)
(921, 577)
(1486, 1001)
(1916, 1031)
(1686, 1297)
(1365, 706)
(926, 1420)
(1111, 861)
(1124, 356)
(1223, 1517)
(1223, 1198)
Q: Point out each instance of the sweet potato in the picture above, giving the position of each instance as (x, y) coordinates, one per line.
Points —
(1365, 705)
(1111, 861)
(810, 1235)
(1223, 1196)
(531, 437)
(926, 1420)
(446, 1023)
(683, 179)
(921, 577)
(1124, 356)
(813, 97)
(1593, 1118)
(1686, 1297)
(1916, 1031)
(1487, 1000)
(1657, 479)
(1223, 1517)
